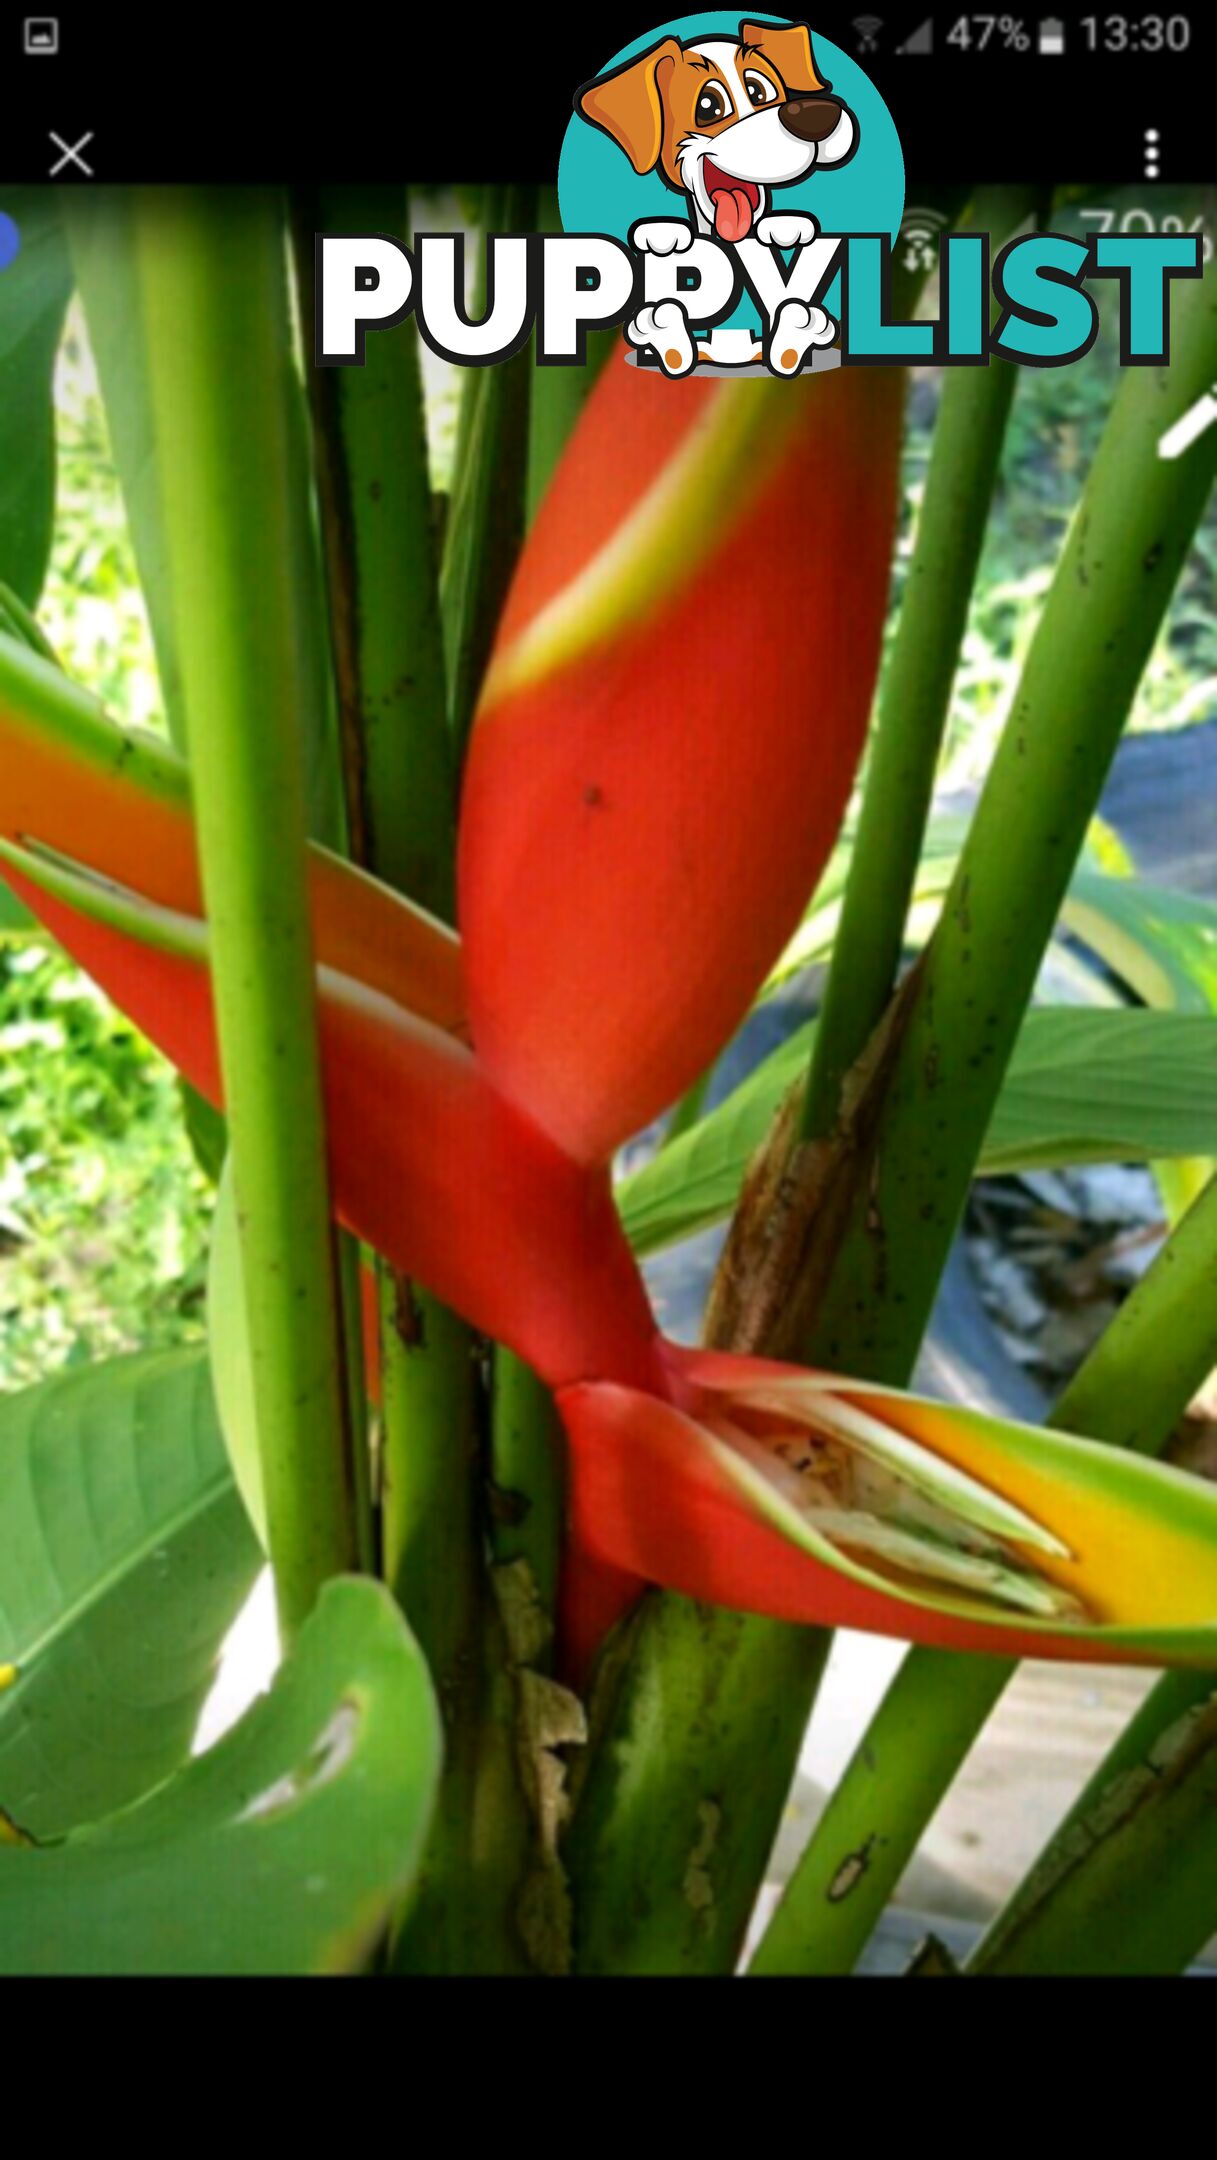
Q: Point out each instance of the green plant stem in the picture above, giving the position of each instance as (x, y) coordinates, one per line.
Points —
(676, 1809)
(375, 493)
(350, 1303)
(486, 515)
(1126, 1882)
(526, 1464)
(914, 701)
(215, 309)
(1130, 1392)
(558, 394)
(429, 1493)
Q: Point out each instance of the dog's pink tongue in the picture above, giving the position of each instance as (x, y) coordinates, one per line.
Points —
(732, 214)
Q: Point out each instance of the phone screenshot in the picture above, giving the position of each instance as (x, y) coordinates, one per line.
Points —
(608, 994)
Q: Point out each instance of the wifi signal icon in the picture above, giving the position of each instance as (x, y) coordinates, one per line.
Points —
(919, 235)
(868, 28)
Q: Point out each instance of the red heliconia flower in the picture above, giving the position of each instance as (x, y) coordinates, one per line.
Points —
(662, 753)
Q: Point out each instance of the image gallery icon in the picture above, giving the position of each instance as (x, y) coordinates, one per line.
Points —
(40, 34)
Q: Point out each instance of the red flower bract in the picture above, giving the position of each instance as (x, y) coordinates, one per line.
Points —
(669, 730)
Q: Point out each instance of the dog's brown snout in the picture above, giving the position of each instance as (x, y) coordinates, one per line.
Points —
(810, 118)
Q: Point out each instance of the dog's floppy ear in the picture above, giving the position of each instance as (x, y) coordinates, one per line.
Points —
(789, 49)
(628, 104)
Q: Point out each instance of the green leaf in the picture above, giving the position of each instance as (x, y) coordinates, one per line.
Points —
(1116, 1086)
(1082, 1086)
(280, 1851)
(34, 294)
(124, 1558)
(99, 225)
(206, 1130)
(1163, 944)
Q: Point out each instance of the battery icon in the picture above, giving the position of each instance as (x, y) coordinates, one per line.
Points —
(1052, 35)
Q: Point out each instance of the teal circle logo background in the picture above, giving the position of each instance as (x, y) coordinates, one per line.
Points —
(599, 191)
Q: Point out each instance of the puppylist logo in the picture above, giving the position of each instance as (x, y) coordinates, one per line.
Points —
(733, 157)
(731, 193)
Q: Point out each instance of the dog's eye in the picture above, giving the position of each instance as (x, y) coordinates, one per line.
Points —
(760, 90)
(711, 106)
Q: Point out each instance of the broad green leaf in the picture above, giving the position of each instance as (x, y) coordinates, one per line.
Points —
(34, 294)
(1105, 1086)
(1122, 1086)
(1163, 944)
(124, 1558)
(98, 224)
(282, 1850)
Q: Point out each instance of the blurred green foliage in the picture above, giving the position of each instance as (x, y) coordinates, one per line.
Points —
(103, 1211)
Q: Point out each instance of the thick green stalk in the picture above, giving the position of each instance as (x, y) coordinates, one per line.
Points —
(558, 394)
(486, 515)
(528, 1493)
(1128, 1882)
(1130, 1392)
(693, 1751)
(101, 231)
(375, 493)
(915, 698)
(215, 310)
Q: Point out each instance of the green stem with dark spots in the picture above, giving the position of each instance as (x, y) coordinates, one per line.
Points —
(215, 314)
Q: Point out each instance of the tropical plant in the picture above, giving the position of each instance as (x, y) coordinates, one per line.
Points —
(554, 1591)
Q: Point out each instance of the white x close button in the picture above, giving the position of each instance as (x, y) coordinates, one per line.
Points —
(71, 155)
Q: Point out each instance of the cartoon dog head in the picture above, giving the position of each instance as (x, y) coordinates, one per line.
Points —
(724, 119)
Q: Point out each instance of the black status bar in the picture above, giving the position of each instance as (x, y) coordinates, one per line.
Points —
(145, 94)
